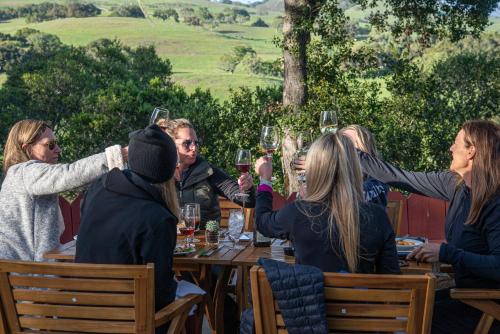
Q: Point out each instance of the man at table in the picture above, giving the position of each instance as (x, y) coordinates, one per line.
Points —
(130, 217)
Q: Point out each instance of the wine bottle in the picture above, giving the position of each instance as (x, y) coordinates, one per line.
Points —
(259, 240)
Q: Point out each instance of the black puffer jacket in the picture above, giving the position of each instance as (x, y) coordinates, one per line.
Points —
(289, 284)
(125, 221)
(203, 183)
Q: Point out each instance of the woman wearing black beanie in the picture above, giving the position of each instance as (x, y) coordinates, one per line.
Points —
(130, 217)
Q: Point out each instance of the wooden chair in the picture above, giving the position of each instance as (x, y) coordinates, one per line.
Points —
(226, 206)
(485, 301)
(356, 303)
(395, 213)
(91, 298)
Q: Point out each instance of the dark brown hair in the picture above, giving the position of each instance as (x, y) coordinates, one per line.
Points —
(485, 176)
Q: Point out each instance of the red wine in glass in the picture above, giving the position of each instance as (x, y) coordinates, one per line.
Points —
(242, 163)
(243, 168)
(187, 231)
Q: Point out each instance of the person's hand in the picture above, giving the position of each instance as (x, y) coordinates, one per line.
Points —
(125, 154)
(425, 253)
(299, 163)
(264, 167)
(245, 181)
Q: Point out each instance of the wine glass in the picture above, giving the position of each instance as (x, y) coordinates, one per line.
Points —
(159, 114)
(189, 217)
(269, 140)
(304, 141)
(328, 122)
(242, 163)
(195, 209)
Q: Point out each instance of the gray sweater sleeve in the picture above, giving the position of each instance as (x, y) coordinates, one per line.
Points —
(41, 178)
(440, 185)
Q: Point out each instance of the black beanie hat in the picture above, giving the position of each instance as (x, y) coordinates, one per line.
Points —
(152, 154)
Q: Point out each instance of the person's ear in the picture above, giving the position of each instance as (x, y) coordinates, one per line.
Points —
(27, 149)
(471, 152)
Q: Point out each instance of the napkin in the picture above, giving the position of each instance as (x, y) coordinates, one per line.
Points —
(185, 288)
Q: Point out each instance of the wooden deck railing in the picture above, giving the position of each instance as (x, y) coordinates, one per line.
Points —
(422, 216)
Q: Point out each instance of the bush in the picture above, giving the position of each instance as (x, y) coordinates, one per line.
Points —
(128, 11)
(165, 14)
(50, 11)
(260, 23)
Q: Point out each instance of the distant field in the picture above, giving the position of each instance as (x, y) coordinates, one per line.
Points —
(193, 51)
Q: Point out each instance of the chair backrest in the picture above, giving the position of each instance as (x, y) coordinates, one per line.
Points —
(92, 298)
(356, 302)
(395, 213)
(225, 208)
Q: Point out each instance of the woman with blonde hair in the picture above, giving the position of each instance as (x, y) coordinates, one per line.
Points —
(199, 181)
(472, 223)
(331, 227)
(30, 218)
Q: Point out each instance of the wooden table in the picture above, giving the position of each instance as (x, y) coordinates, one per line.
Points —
(200, 269)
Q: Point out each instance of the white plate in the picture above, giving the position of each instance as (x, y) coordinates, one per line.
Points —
(407, 248)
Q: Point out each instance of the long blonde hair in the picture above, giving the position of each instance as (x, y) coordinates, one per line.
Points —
(485, 175)
(169, 194)
(334, 177)
(24, 132)
(365, 141)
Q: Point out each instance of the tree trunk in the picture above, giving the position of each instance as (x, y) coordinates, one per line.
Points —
(294, 53)
(295, 87)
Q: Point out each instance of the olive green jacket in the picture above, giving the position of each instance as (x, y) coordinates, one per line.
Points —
(203, 183)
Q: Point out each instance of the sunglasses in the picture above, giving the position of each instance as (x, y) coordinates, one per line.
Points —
(189, 143)
(51, 144)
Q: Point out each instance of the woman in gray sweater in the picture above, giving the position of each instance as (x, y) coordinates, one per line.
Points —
(30, 219)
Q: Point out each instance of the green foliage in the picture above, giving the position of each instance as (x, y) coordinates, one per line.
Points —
(228, 63)
(260, 23)
(128, 11)
(165, 14)
(212, 226)
(431, 19)
(50, 11)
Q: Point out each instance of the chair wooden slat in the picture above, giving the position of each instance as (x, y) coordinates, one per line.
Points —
(350, 294)
(78, 312)
(367, 310)
(93, 326)
(74, 284)
(35, 299)
(74, 298)
(357, 303)
(367, 325)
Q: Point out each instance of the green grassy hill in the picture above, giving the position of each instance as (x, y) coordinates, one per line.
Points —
(194, 52)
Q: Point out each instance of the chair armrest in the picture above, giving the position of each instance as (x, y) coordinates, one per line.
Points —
(175, 308)
(474, 294)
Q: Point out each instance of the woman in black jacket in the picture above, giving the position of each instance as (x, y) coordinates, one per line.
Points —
(472, 224)
(130, 217)
(331, 227)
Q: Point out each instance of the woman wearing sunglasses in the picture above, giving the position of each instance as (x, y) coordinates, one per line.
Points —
(30, 219)
(198, 181)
